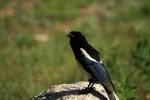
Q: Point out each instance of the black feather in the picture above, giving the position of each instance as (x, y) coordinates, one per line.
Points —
(96, 69)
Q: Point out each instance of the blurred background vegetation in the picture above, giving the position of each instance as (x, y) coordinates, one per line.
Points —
(35, 53)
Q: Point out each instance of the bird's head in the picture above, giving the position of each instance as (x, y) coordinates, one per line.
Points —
(74, 34)
(77, 38)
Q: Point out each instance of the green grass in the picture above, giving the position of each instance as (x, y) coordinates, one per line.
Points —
(118, 29)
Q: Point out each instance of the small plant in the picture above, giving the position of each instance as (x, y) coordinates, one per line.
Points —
(141, 63)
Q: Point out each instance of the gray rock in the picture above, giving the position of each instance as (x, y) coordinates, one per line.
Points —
(71, 92)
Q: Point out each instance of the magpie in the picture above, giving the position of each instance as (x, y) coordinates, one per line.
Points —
(90, 63)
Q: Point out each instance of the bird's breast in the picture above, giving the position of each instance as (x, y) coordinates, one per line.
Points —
(83, 71)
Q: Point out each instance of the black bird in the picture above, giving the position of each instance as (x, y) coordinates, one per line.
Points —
(90, 63)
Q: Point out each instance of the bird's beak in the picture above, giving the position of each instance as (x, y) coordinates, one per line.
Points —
(70, 35)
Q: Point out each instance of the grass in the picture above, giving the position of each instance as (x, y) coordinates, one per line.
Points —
(35, 53)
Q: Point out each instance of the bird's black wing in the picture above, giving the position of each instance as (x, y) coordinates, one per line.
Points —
(98, 72)
(97, 69)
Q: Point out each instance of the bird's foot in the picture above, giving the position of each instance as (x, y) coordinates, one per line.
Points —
(87, 90)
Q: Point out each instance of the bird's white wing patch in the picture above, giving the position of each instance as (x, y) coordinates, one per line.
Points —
(87, 55)
(101, 61)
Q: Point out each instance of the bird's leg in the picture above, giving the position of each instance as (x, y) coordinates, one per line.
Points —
(90, 82)
(89, 88)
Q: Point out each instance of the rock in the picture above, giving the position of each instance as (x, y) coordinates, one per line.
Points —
(71, 92)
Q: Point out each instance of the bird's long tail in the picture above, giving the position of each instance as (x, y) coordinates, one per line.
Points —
(110, 94)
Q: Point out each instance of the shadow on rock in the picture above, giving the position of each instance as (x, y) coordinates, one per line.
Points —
(48, 95)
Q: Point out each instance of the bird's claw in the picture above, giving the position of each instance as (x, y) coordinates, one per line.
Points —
(92, 88)
(87, 90)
